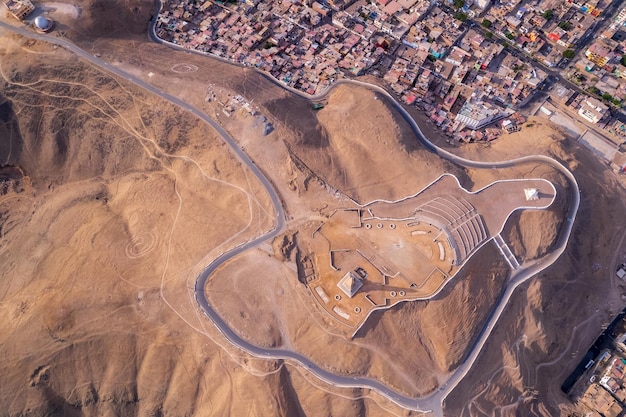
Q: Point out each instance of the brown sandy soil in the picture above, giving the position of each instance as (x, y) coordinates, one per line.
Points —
(101, 320)
(108, 19)
(536, 134)
(153, 362)
(275, 310)
(352, 145)
(439, 331)
(555, 317)
(315, 402)
(104, 227)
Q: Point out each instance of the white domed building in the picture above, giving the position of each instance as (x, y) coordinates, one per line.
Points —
(43, 24)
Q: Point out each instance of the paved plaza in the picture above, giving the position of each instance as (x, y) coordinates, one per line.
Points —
(373, 256)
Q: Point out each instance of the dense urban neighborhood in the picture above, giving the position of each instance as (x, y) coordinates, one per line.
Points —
(467, 64)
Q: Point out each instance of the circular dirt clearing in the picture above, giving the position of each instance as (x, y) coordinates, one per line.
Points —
(183, 68)
(141, 244)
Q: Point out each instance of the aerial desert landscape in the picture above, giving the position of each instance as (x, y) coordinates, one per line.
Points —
(114, 199)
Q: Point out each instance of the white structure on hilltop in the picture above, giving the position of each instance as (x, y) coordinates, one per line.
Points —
(43, 24)
(531, 194)
(350, 284)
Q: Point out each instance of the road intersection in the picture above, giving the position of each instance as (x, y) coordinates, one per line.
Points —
(434, 401)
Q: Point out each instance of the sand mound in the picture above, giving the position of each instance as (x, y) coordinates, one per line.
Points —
(532, 234)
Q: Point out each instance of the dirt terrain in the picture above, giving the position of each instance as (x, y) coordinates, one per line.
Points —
(109, 210)
(438, 331)
(107, 215)
(554, 318)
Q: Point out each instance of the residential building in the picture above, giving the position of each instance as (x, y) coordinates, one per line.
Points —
(592, 109)
(19, 8)
(599, 400)
(482, 4)
(598, 54)
(475, 115)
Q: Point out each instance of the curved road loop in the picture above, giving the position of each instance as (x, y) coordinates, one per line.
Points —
(434, 401)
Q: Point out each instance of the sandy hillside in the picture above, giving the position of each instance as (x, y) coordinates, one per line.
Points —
(112, 201)
(96, 19)
(554, 318)
(104, 225)
(352, 140)
(92, 201)
(321, 146)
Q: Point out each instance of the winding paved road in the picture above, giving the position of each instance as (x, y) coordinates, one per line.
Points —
(434, 401)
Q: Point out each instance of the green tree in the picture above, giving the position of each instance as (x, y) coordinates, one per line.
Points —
(617, 102)
(569, 54)
(460, 16)
(593, 90)
(565, 26)
(510, 35)
(459, 3)
(607, 97)
(486, 23)
(548, 14)
(623, 61)
(488, 35)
